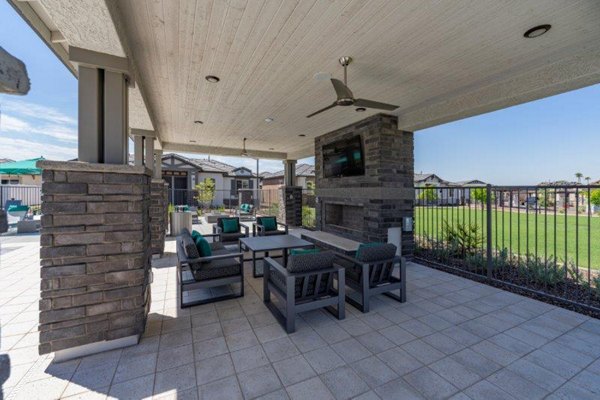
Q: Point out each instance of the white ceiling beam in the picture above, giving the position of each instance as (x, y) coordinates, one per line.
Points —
(222, 151)
(57, 37)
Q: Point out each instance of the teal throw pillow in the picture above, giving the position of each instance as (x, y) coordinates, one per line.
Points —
(230, 225)
(270, 223)
(203, 246)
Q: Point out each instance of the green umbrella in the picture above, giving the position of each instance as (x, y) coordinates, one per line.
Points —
(24, 167)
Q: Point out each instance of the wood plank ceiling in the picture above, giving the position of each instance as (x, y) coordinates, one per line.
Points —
(412, 53)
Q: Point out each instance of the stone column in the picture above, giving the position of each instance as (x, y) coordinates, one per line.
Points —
(95, 257)
(290, 205)
(159, 202)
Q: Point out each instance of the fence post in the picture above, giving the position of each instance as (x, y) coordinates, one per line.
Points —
(488, 200)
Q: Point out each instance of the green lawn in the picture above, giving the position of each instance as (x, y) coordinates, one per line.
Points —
(520, 232)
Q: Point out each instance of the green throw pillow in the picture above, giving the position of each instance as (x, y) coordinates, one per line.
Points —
(365, 245)
(298, 252)
(270, 223)
(230, 226)
(203, 246)
(195, 234)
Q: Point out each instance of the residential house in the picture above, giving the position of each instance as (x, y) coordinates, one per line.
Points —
(183, 174)
(305, 177)
(446, 192)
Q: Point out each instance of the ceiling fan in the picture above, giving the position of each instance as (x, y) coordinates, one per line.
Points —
(345, 96)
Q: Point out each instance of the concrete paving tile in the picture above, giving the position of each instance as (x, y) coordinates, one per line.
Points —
(516, 385)
(293, 370)
(209, 348)
(252, 357)
(430, 384)
(422, 351)
(313, 389)
(374, 371)
(344, 383)
(258, 381)
(351, 350)
(227, 388)
(399, 360)
(280, 349)
(174, 357)
(213, 369)
(241, 340)
(138, 388)
(179, 378)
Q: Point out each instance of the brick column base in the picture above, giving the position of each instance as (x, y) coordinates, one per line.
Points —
(95, 257)
(290, 205)
(159, 203)
(3, 221)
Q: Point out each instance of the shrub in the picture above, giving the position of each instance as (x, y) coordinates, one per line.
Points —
(463, 239)
(308, 217)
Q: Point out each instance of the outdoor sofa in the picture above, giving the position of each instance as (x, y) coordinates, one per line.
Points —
(224, 266)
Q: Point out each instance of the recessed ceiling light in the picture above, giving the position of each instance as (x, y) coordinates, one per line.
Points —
(198, 122)
(302, 135)
(361, 109)
(537, 31)
(212, 78)
(269, 119)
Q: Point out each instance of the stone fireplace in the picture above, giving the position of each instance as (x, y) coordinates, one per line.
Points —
(363, 207)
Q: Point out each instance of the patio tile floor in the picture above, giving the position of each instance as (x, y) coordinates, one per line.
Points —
(454, 338)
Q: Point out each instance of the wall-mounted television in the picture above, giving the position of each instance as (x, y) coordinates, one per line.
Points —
(343, 158)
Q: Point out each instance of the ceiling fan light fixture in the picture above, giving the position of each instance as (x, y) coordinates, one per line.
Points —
(302, 135)
(537, 31)
(198, 122)
(212, 78)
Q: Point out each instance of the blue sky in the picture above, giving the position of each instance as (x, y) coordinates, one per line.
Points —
(548, 139)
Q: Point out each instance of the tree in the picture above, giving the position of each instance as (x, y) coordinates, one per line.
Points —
(588, 179)
(595, 197)
(428, 194)
(206, 192)
(578, 175)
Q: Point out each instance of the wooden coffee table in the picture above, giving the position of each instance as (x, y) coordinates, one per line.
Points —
(265, 244)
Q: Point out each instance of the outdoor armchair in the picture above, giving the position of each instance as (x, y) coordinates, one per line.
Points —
(307, 283)
(261, 227)
(223, 267)
(226, 236)
(371, 273)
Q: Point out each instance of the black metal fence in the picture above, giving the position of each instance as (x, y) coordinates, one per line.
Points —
(542, 239)
(27, 195)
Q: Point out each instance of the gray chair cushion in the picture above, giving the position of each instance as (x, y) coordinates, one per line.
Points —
(217, 269)
(230, 237)
(377, 253)
(310, 262)
(272, 233)
(214, 246)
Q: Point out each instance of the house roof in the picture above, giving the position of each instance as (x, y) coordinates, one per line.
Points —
(5, 160)
(301, 170)
(421, 178)
(207, 165)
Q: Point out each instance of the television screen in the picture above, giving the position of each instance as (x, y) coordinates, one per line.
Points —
(343, 158)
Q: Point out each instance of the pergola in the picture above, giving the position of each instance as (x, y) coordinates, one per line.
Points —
(199, 76)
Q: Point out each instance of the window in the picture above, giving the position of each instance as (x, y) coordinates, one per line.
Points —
(243, 184)
(10, 181)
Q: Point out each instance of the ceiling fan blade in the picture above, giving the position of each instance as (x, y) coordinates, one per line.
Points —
(342, 90)
(321, 110)
(374, 104)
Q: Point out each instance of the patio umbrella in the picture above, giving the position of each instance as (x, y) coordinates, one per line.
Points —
(23, 167)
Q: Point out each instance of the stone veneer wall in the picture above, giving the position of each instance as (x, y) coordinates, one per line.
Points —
(159, 202)
(384, 194)
(3, 221)
(290, 205)
(95, 253)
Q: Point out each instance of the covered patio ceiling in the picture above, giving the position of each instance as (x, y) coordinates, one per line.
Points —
(438, 61)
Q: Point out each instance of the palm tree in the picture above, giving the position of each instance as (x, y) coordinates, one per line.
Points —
(588, 179)
(578, 175)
